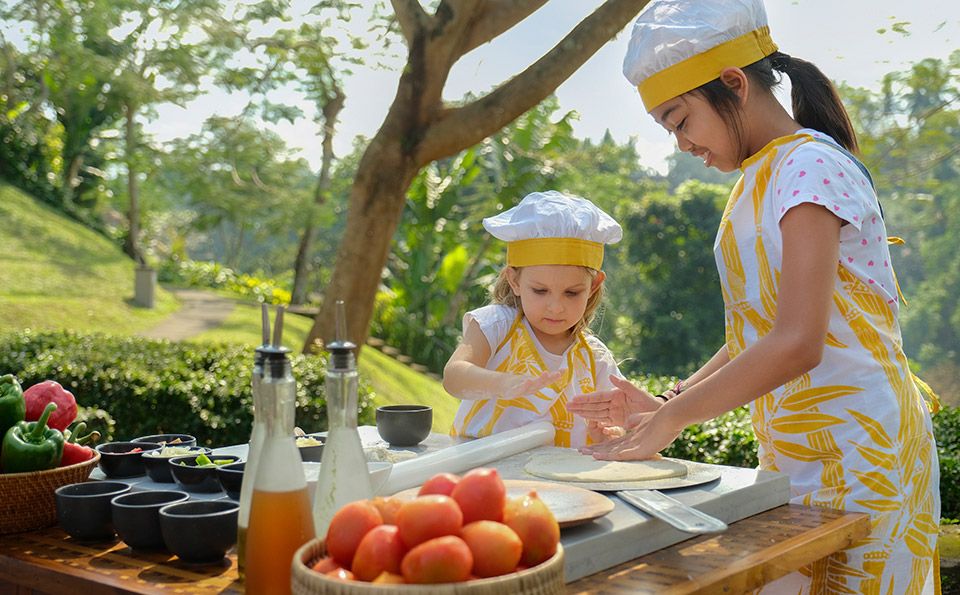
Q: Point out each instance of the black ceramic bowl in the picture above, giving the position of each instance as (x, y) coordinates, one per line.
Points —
(188, 476)
(137, 519)
(313, 452)
(122, 459)
(171, 439)
(404, 425)
(231, 478)
(158, 467)
(200, 531)
(83, 509)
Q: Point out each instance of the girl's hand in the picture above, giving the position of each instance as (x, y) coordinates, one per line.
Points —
(520, 386)
(648, 436)
(599, 432)
(613, 407)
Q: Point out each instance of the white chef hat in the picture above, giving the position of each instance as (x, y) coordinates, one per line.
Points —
(554, 228)
(678, 45)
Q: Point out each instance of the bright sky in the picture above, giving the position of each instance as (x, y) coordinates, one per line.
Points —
(850, 40)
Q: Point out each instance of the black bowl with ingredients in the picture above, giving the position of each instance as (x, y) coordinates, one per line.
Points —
(136, 516)
(200, 531)
(123, 459)
(310, 447)
(169, 439)
(83, 509)
(231, 478)
(189, 474)
(157, 462)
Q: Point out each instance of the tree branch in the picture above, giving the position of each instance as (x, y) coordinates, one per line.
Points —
(453, 130)
(413, 20)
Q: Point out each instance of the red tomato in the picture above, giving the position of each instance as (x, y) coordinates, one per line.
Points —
(428, 517)
(481, 495)
(441, 483)
(347, 528)
(442, 560)
(496, 548)
(380, 550)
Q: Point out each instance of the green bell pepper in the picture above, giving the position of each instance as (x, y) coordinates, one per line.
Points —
(31, 445)
(13, 406)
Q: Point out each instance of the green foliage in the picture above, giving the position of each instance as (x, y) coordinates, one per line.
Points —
(149, 386)
(216, 276)
(946, 429)
(665, 304)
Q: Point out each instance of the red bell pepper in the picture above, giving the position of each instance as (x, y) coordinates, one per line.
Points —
(74, 450)
(50, 391)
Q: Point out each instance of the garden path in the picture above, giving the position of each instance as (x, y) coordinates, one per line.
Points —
(200, 311)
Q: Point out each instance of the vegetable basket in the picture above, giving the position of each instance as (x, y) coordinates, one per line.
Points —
(546, 578)
(26, 499)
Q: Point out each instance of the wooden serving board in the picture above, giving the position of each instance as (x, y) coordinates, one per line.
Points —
(570, 505)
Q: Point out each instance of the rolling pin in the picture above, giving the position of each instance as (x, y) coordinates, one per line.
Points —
(466, 456)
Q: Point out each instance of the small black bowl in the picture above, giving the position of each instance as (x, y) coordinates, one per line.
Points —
(83, 509)
(404, 425)
(231, 478)
(191, 478)
(169, 439)
(312, 453)
(137, 519)
(200, 531)
(122, 459)
(158, 467)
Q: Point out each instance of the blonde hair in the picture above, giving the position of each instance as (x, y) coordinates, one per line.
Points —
(502, 294)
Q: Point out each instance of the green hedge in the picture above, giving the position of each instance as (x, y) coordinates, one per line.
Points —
(946, 427)
(132, 386)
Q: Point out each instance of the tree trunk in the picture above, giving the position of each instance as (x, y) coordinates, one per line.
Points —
(301, 269)
(71, 181)
(131, 246)
(420, 128)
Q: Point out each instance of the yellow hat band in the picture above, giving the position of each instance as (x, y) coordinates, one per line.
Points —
(705, 66)
(526, 253)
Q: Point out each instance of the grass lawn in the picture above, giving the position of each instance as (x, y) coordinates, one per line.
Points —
(57, 274)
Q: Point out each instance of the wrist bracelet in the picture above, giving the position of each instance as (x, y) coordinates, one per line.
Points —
(680, 387)
(665, 399)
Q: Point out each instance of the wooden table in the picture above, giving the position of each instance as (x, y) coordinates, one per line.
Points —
(751, 552)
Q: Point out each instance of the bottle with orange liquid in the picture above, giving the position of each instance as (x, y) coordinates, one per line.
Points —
(281, 519)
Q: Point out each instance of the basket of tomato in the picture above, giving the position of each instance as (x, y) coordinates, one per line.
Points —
(40, 451)
(459, 535)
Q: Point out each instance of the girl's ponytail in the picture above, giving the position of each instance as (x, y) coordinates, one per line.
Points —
(815, 101)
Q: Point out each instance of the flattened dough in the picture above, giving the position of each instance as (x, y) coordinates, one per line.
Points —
(573, 466)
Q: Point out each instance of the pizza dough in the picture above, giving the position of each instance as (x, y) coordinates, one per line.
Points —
(572, 466)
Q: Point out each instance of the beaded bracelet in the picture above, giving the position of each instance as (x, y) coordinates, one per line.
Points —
(680, 387)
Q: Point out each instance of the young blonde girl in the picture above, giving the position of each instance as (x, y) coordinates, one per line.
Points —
(812, 339)
(527, 353)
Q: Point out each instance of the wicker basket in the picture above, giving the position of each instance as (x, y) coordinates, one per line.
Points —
(26, 499)
(544, 579)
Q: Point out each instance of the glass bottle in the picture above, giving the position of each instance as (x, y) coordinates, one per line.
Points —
(344, 476)
(280, 519)
(257, 435)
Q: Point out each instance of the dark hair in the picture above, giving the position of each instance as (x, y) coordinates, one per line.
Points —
(815, 101)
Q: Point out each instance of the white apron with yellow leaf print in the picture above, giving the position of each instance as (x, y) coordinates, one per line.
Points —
(516, 350)
(853, 433)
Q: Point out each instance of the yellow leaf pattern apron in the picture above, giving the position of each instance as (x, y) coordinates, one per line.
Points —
(853, 433)
(483, 417)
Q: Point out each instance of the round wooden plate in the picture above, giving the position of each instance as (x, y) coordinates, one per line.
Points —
(571, 505)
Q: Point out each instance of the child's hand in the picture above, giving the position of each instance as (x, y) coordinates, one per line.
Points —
(613, 407)
(601, 432)
(521, 386)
